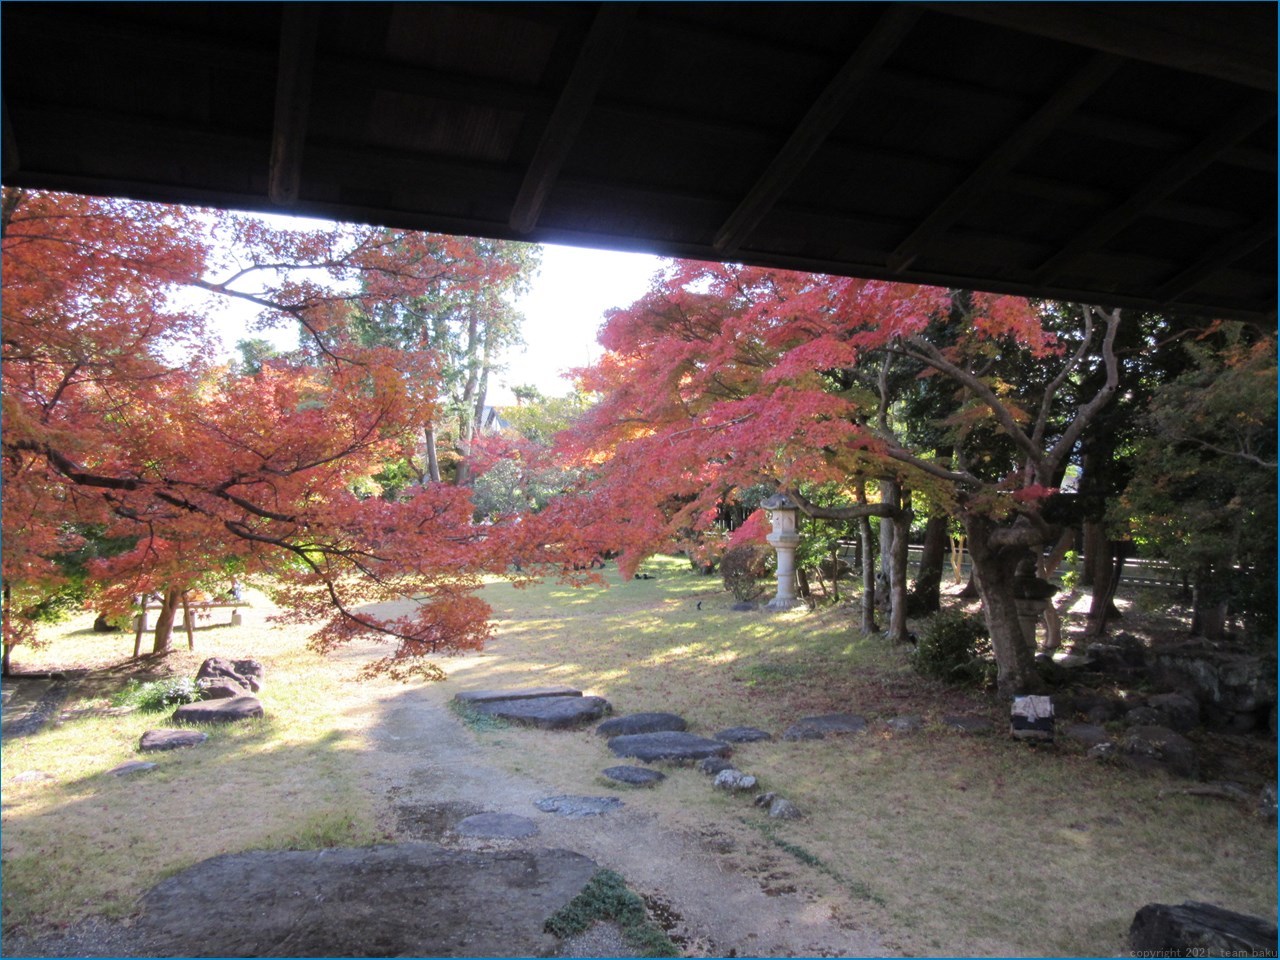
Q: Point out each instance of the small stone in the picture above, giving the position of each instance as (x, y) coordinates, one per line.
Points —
(713, 765)
(496, 826)
(133, 766)
(635, 776)
(819, 728)
(575, 807)
(764, 799)
(219, 711)
(170, 739)
(783, 809)
(734, 781)
(634, 723)
(904, 724)
(1154, 743)
(743, 735)
(1101, 751)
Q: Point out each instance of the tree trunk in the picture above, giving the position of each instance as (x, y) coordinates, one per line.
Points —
(928, 588)
(1208, 606)
(164, 621)
(898, 577)
(8, 647)
(433, 459)
(1106, 580)
(994, 569)
(867, 554)
(1094, 548)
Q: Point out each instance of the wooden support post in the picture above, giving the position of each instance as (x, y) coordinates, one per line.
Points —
(142, 625)
(186, 616)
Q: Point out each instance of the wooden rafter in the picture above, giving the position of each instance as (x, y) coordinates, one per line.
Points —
(570, 112)
(827, 111)
(10, 144)
(1220, 256)
(293, 102)
(1004, 157)
(1158, 186)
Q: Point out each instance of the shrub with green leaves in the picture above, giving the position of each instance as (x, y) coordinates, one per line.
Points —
(156, 695)
(953, 647)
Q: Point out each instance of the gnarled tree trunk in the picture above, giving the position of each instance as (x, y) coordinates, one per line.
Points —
(994, 567)
(928, 589)
(164, 622)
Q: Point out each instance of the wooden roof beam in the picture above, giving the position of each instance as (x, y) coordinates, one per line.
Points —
(293, 102)
(1158, 186)
(1004, 157)
(9, 147)
(1219, 257)
(570, 112)
(827, 111)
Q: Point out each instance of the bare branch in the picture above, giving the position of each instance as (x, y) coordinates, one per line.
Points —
(1087, 411)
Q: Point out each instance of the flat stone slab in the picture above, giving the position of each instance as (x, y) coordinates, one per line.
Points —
(634, 723)
(219, 711)
(574, 807)
(967, 723)
(133, 766)
(635, 776)
(529, 693)
(668, 745)
(907, 724)
(170, 739)
(498, 826)
(743, 735)
(407, 900)
(819, 728)
(546, 713)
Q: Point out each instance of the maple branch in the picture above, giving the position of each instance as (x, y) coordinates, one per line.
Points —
(1051, 390)
(1087, 411)
(811, 509)
(931, 467)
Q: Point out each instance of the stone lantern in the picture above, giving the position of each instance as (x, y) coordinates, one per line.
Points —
(1031, 597)
(783, 514)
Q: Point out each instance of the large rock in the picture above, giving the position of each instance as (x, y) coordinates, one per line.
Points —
(819, 728)
(1160, 746)
(546, 713)
(668, 745)
(528, 693)
(1178, 712)
(218, 673)
(1199, 930)
(634, 723)
(154, 740)
(415, 900)
(1236, 690)
(219, 711)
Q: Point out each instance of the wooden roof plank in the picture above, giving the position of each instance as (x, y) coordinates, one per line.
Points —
(1158, 186)
(1005, 156)
(1219, 257)
(828, 109)
(293, 102)
(570, 112)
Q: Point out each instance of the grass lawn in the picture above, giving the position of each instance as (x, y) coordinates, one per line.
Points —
(948, 843)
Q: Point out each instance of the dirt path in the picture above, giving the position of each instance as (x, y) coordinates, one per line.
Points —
(718, 892)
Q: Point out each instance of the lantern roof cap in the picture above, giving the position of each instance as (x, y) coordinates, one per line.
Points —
(779, 501)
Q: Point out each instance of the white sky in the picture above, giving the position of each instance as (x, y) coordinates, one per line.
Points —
(563, 311)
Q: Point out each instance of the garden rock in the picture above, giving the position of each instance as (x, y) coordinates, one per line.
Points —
(1178, 712)
(219, 711)
(1236, 690)
(968, 723)
(222, 690)
(743, 607)
(414, 900)
(634, 723)
(668, 745)
(546, 713)
(246, 674)
(743, 735)
(1088, 734)
(1144, 716)
(132, 766)
(819, 728)
(1199, 930)
(575, 807)
(713, 765)
(530, 693)
(170, 739)
(734, 781)
(635, 776)
(907, 724)
(780, 808)
(496, 826)
(1161, 746)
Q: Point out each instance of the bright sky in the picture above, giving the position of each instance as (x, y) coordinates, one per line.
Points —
(563, 311)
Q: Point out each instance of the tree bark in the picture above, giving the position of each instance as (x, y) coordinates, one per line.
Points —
(1106, 580)
(1208, 606)
(8, 647)
(928, 588)
(164, 621)
(433, 459)
(867, 555)
(994, 568)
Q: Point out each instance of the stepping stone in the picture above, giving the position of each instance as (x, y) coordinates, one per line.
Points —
(967, 723)
(219, 711)
(546, 713)
(641, 723)
(530, 693)
(909, 724)
(635, 776)
(170, 739)
(668, 745)
(498, 826)
(574, 807)
(133, 766)
(819, 728)
(743, 735)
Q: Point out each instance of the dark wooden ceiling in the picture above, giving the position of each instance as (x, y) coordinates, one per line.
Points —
(1110, 152)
